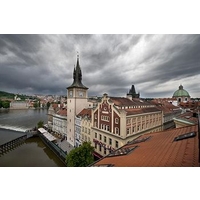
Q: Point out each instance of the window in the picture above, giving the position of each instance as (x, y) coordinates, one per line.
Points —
(133, 129)
(116, 144)
(88, 131)
(85, 130)
(128, 131)
(99, 147)
(99, 136)
(95, 135)
(82, 129)
(95, 145)
(104, 150)
(95, 116)
(104, 138)
(105, 118)
(116, 120)
(116, 130)
(85, 138)
(110, 141)
(128, 121)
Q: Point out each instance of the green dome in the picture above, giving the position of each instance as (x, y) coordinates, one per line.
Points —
(181, 92)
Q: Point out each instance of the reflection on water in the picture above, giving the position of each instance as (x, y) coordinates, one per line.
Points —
(33, 153)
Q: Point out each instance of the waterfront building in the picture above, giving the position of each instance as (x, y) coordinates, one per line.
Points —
(77, 96)
(51, 111)
(60, 122)
(181, 95)
(178, 147)
(19, 104)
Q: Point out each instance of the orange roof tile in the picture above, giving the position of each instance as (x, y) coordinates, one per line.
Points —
(62, 112)
(188, 116)
(160, 150)
(85, 112)
(133, 111)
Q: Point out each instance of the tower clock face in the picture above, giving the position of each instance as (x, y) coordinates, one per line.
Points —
(70, 93)
(80, 94)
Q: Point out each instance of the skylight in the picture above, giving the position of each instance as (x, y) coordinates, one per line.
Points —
(122, 151)
(139, 140)
(185, 136)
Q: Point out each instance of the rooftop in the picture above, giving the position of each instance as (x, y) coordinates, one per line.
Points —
(158, 150)
(86, 112)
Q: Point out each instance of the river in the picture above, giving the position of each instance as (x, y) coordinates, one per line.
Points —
(33, 153)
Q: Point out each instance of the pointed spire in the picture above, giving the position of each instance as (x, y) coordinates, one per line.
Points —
(77, 75)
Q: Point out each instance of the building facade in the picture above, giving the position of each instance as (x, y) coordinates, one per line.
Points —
(60, 122)
(117, 121)
(78, 141)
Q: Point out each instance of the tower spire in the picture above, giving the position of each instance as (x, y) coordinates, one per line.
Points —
(77, 75)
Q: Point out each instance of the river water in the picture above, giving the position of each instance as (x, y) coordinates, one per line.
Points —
(33, 153)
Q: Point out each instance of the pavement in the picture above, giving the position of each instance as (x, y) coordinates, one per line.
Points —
(65, 145)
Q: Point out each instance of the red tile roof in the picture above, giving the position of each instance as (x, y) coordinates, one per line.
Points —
(62, 112)
(133, 111)
(122, 101)
(188, 117)
(86, 112)
(160, 150)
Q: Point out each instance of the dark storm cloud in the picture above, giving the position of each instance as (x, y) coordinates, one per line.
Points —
(155, 64)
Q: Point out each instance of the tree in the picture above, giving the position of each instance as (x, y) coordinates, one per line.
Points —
(81, 156)
(48, 105)
(35, 105)
(40, 124)
(6, 104)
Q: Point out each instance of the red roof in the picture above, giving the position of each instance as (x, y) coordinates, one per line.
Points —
(85, 112)
(133, 111)
(62, 112)
(159, 150)
(188, 116)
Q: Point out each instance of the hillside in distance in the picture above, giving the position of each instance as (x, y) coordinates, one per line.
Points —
(8, 95)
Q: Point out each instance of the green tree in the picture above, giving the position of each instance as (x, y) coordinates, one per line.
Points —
(48, 105)
(35, 104)
(6, 104)
(40, 124)
(81, 156)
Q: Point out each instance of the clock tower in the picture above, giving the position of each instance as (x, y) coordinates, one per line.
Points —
(76, 101)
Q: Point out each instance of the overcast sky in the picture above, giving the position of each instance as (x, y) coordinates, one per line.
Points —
(155, 64)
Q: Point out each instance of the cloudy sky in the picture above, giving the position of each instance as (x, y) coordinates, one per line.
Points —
(155, 64)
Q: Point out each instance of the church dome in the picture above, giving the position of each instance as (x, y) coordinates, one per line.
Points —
(181, 92)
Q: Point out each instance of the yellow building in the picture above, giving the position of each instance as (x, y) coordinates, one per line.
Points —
(116, 121)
